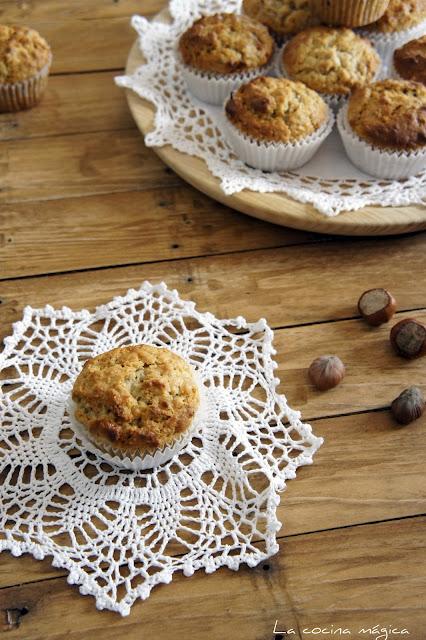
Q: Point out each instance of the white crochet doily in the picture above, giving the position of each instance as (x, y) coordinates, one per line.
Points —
(118, 532)
(329, 182)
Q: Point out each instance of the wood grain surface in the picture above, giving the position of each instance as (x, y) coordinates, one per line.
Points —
(86, 212)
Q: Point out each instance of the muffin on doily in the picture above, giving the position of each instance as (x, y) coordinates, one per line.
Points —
(349, 13)
(137, 402)
(276, 124)
(219, 52)
(332, 61)
(402, 21)
(409, 61)
(25, 59)
(383, 128)
(282, 17)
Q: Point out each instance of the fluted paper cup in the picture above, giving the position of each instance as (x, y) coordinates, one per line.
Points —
(213, 88)
(350, 13)
(276, 156)
(378, 162)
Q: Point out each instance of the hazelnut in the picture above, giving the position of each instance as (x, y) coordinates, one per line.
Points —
(376, 306)
(408, 406)
(326, 372)
(408, 338)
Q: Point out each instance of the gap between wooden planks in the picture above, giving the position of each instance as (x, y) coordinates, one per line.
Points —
(365, 472)
(179, 222)
(369, 383)
(100, 107)
(354, 577)
(159, 224)
(84, 36)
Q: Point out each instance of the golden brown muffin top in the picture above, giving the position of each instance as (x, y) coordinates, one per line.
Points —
(23, 53)
(136, 397)
(330, 60)
(410, 60)
(400, 15)
(282, 17)
(390, 114)
(276, 110)
(226, 43)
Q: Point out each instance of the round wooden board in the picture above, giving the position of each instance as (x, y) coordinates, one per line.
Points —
(273, 207)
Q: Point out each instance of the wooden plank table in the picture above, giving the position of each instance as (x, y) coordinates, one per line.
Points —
(86, 212)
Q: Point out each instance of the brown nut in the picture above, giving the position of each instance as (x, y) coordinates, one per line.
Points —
(326, 372)
(408, 406)
(408, 338)
(376, 306)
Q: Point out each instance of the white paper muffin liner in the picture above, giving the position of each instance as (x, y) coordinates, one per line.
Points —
(334, 100)
(213, 88)
(25, 94)
(386, 43)
(276, 156)
(138, 461)
(377, 162)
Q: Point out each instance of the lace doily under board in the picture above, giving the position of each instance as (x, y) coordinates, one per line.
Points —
(118, 532)
(329, 181)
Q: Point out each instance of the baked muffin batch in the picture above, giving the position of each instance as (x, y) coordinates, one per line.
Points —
(329, 56)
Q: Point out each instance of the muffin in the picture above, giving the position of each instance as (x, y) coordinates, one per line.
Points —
(383, 128)
(409, 61)
(331, 61)
(349, 13)
(276, 124)
(403, 20)
(282, 17)
(219, 52)
(25, 59)
(137, 401)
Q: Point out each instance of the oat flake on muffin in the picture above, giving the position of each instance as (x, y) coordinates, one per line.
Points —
(282, 17)
(226, 43)
(138, 397)
(332, 61)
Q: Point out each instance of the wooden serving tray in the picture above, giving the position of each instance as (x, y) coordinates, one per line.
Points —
(273, 207)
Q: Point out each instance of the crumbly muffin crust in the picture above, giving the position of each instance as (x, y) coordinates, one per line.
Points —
(23, 53)
(282, 17)
(390, 114)
(330, 60)
(136, 397)
(399, 16)
(410, 60)
(226, 43)
(276, 110)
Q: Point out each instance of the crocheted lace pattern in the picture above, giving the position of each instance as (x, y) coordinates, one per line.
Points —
(119, 532)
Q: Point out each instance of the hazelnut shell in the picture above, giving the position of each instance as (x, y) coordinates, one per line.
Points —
(326, 372)
(408, 338)
(372, 299)
(408, 406)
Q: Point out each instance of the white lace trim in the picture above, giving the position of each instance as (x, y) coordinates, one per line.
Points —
(329, 181)
(118, 532)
